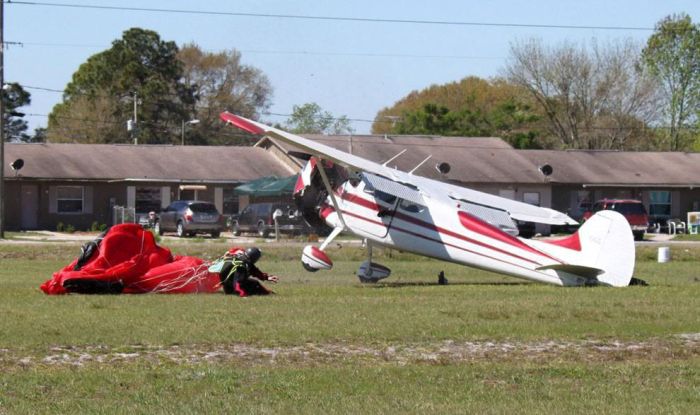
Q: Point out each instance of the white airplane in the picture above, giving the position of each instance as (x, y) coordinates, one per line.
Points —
(399, 210)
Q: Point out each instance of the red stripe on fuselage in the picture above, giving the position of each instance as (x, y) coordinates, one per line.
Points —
(440, 242)
(572, 242)
(477, 225)
(418, 222)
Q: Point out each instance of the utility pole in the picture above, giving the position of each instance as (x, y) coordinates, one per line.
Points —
(2, 121)
(132, 124)
(136, 102)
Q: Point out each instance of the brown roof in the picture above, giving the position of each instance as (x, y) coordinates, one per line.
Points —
(472, 159)
(619, 167)
(142, 162)
(492, 160)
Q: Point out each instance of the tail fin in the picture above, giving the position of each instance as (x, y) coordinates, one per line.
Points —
(603, 249)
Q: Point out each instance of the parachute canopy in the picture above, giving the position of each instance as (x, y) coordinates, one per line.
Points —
(126, 259)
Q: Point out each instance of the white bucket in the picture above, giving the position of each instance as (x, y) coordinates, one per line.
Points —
(664, 254)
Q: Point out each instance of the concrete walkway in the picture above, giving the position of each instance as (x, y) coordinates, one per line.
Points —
(81, 237)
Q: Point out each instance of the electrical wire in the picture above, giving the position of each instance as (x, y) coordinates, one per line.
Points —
(325, 18)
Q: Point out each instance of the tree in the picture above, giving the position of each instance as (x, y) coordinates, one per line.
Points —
(672, 55)
(14, 97)
(310, 118)
(220, 82)
(39, 135)
(595, 98)
(470, 107)
(99, 99)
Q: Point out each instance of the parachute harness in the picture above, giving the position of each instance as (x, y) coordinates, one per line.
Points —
(237, 264)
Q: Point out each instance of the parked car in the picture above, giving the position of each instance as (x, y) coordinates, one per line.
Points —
(258, 218)
(525, 229)
(190, 217)
(632, 210)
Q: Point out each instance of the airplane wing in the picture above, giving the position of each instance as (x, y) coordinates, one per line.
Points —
(378, 173)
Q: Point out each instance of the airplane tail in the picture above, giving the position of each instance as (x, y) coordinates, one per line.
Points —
(602, 250)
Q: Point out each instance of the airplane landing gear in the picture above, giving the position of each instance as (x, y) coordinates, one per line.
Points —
(371, 272)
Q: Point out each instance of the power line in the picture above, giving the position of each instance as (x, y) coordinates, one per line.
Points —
(289, 52)
(324, 18)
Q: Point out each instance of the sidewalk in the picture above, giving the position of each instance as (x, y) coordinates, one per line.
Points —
(227, 237)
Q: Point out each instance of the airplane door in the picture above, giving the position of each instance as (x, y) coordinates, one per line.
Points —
(368, 210)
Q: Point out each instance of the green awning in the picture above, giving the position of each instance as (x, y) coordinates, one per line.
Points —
(268, 186)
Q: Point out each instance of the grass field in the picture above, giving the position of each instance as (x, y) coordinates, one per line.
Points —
(327, 344)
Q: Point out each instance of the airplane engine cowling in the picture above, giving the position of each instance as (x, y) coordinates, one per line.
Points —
(314, 259)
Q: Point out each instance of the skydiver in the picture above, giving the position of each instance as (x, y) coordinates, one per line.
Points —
(239, 275)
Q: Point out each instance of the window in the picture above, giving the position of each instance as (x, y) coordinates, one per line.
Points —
(147, 199)
(411, 207)
(629, 208)
(381, 196)
(660, 204)
(531, 198)
(69, 199)
(203, 208)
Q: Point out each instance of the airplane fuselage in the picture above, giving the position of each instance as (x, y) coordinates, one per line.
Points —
(439, 229)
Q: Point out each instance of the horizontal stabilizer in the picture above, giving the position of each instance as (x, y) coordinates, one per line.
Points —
(580, 270)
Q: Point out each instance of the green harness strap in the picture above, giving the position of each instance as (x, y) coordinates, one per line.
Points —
(237, 263)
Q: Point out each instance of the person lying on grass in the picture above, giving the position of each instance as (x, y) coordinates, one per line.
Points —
(239, 275)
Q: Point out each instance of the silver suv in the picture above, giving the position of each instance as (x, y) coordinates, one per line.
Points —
(189, 217)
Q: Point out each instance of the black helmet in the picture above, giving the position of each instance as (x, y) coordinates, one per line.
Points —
(253, 254)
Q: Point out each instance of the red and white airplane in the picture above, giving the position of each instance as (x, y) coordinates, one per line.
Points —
(399, 210)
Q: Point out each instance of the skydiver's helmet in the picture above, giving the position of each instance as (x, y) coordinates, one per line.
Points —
(253, 254)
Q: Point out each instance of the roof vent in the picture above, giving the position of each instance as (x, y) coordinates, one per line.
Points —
(443, 168)
(546, 170)
(17, 164)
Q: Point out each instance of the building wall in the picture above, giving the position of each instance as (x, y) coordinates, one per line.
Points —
(99, 199)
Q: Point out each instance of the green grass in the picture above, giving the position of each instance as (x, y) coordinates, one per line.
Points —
(687, 237)
(325, 327)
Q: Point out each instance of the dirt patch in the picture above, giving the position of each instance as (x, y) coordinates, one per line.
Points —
(446, 352)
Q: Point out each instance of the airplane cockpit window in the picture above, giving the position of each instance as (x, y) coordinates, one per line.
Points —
(383, 196)
(411, 207)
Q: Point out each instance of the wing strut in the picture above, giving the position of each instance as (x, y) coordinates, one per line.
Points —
(395, 157)
(331, 193)
(420, 164)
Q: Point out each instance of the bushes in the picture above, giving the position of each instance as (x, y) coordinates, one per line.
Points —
(68, 228)
(98, 227)
(60, 227)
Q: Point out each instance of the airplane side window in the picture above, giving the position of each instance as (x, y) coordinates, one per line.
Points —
(383, 196)
(411, 207)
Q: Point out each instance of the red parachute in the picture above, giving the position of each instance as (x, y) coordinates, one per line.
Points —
(128, 260)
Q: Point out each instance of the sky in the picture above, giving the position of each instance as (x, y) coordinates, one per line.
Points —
(349, 67)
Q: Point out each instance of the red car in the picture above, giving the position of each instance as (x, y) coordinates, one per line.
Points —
(632, 210)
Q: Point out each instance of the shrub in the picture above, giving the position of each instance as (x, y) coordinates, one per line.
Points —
(98, 227)
(60, 227)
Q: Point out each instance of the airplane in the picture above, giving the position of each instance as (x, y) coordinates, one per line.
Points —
(396, 209)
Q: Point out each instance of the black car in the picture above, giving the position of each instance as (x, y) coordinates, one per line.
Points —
(259, 218)
(190, 217)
